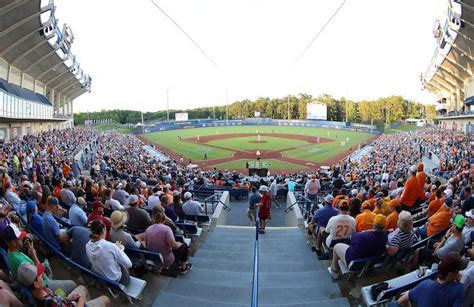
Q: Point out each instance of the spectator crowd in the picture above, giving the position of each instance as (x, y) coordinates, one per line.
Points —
(116, 195)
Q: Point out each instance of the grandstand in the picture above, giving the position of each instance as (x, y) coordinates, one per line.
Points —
(450, 73)
(39, 75)
(390, 222)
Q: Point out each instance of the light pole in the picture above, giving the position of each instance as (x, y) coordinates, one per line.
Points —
(288, 107)
(167, 105)
(226, 104)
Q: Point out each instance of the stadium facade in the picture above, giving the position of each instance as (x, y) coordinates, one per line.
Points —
(39, 76)
(450, 73)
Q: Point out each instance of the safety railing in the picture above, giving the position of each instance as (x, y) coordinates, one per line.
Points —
(254, 302)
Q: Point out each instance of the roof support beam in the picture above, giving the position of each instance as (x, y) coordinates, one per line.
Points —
(26, 38)
(64, 82)
(448, 79)
(56, 77)
(48, 70)
(25, 20)
(27, 52)
(41, 59)
(447, 88)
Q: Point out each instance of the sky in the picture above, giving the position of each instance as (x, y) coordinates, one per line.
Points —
(136, 55)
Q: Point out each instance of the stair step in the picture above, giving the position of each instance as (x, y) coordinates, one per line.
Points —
(264, 267)
(251, 230)
(274, 279)
(264, 247)
(337, 302)
(242, 239)
(241, 295)
(248, 255)
(166, 299)
(170, 299)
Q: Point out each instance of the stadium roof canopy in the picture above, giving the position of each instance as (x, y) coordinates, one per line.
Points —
(452, 64)
(31, 41)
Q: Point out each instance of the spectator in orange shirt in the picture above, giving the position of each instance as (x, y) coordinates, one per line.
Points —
(421, 180)
(392, 218)
(365, 220)
(434, 188)
(411, 191)
(438, 221)
(434, 205)
(340, 197)
(66, 169)
(371, 199)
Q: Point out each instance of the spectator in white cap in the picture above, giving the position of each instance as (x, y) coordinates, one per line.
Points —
(138, 218)
(120, 195)
(321, 219)
(468, 227)
(31, 276)
(110, 202)
(448, 193)
(67, 196)
(190, 206)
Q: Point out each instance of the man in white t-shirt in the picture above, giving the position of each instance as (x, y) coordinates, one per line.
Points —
(154, 199)
(341, 225)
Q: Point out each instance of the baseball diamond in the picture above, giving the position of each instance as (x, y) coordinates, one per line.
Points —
(283, 147)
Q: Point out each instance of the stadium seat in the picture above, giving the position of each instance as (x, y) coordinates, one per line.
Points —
(396, 286)
(190, 229)
(360, 266)
(150, 259)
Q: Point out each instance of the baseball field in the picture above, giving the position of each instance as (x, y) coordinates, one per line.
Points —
(283, 148)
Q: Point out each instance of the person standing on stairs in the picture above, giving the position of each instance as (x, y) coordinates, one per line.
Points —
(264, 212)
(253, 201)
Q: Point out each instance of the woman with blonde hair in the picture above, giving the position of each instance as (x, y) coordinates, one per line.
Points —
(159, 238)
(402, 237)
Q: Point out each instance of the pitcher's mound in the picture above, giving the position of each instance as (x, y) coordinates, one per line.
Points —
(257, 142)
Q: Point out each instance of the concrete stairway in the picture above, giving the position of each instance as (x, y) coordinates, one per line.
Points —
(290, 274)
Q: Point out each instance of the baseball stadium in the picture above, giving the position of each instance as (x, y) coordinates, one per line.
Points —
(110, 197)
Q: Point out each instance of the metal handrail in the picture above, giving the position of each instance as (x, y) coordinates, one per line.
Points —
(254, 302)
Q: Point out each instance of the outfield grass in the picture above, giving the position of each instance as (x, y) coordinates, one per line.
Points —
(274, 164)
(309, 152)
(114, 127)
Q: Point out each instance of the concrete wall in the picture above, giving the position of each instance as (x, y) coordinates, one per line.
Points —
(220, 214)
(293, 217)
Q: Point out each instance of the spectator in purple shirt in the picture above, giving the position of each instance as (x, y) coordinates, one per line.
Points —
(365, 244)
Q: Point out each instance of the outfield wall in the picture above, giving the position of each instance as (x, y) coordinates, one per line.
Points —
(201, 123)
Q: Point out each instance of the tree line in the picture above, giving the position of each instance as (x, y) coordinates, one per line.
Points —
(381, 111)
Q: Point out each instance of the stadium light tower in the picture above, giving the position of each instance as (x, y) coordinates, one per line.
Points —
(288, 100)
(226, 104)
(167, 105)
